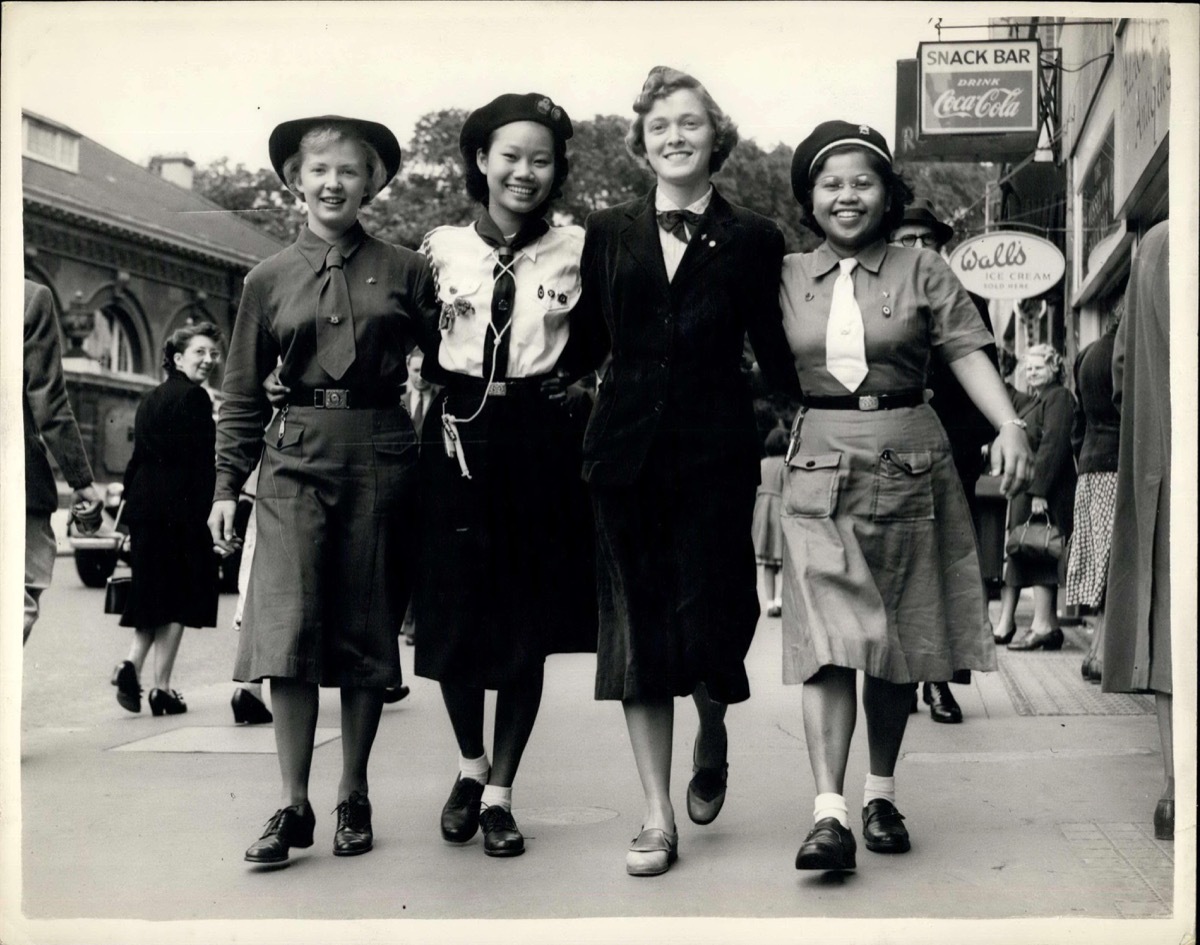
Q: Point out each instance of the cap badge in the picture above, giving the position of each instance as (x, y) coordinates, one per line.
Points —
(864, 130)
(544, 105)
(556, 113)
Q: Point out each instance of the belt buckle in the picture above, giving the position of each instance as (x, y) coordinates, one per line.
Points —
(868, 402)
(497, 389)
(332, 398)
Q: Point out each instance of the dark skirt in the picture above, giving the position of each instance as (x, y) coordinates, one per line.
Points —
(507, 571)
(174, 575)
(676, 579)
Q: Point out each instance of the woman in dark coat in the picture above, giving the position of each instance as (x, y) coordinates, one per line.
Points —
(1048, 410)
(168, 491)
(672, 283)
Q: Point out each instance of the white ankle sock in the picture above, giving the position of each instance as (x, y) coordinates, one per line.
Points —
(475, 768)
(831, 805)
(879, 788)
(496, 796)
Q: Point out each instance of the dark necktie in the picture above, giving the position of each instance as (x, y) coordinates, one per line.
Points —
(504, 289)
(673, 222)
(335, 319)
(418, 416)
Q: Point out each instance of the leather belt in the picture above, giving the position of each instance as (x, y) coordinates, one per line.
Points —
(461, 383)
(907, 398)
(344, 398)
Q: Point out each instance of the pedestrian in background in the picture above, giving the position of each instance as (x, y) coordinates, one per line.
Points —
(50, 427)
(1048, 410)
(336, 487)
(1095, 437)
(766, 527)
(168, 486)
(673, 282)
(968, 430)
(1137, 639)
(507, 574)
(880, 570)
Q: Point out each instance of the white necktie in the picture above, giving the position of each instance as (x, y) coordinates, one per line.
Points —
(845, 345)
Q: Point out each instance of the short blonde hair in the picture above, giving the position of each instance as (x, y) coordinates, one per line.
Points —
(318, 138)
(1047, 353)
(663, 81)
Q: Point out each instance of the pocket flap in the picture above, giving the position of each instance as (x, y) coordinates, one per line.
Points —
(291, 435)
(394, 445)
(815, 460)
(913, 464)
(451, 289)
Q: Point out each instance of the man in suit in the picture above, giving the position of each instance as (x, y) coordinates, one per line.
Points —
(50, 427)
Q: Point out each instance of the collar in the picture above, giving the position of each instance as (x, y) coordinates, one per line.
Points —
(314, 249)
(485, 224)
(826, 260)
(661, 203)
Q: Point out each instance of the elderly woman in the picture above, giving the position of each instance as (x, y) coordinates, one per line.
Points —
(1048, 410)
(168, 485)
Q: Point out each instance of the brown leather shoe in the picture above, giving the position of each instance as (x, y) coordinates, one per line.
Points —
(353, 835)
(289, 827)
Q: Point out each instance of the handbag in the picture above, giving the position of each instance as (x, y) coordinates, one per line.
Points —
(1035, 540)
(116, 594)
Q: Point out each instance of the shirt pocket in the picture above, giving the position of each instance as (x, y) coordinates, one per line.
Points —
(810, 489)
(279, 477)
(903, 487)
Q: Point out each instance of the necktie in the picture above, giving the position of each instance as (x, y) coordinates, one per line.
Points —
(335, 319)
(504, 289)
(673, 222)
(845, 344)
(418, 417)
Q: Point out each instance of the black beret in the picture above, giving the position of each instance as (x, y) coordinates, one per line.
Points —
(921, 212)
(505, 109)
(828, 135)
(285, 140)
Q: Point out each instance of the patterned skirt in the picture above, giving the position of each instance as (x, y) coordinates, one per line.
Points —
(1091, 540)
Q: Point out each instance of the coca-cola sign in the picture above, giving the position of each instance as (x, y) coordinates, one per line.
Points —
(986, 87)
(1007, 265)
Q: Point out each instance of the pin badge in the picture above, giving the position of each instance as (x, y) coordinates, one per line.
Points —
(808, 296)
(541, 292)
(334, 319)
(885, 293)
(562, 298)
(887, 310)
(452, 290)
(370, 280)
(712, 243)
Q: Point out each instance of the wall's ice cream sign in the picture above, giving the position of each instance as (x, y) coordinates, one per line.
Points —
(978, 87)
(1007, 265)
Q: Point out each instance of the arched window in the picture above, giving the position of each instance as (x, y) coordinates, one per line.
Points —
(113, 342)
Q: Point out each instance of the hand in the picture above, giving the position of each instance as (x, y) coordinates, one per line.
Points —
(555, 388)
(1040, 506)
(220, 526)
(1016, 459)
(86, 509)
(277, 393)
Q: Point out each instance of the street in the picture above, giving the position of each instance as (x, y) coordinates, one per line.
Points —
(1041, 814)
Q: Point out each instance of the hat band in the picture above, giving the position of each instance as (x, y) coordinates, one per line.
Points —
(837, 144)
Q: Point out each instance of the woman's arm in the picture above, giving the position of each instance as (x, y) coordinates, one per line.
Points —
(588, 343)
(975, 373)
(764, 321)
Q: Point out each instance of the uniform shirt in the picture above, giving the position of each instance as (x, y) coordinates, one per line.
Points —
(546, 273)
(391, 295)
(911, 303)
(672, 246)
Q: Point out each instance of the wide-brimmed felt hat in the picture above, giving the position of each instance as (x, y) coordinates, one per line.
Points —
(505, 109)
(921, 212)
(285, 140)
(824, 138)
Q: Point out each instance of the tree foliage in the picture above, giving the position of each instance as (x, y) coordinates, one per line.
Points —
(258, 197)
(956, 191)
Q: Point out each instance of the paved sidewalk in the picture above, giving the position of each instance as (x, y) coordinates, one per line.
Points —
(1013, 816)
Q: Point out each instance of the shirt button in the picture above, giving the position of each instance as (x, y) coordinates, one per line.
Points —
(658, 406)
(662, 362)
(503, 306)
(810, 464)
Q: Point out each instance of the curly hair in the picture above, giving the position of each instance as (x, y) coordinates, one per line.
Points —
(1053, 360)
(318, 138)
(900, 194)
(663, 81)
(178, 341)
(476, 180)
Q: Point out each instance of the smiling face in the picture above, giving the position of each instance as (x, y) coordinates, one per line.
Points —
(679, 140)
(197, 360)
(519, 167)
(333, 181)
(849, 201)
(1037, 371)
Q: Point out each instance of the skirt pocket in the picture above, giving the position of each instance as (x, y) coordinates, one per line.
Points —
(810, 488)
(396, 455)
(282, 456)
(903, 487)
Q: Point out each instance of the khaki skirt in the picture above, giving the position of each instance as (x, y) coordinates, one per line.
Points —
(880, 570)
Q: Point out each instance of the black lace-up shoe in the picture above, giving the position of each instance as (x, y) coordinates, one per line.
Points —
(289, 827)
(828, 846)
(883, 828)
(353, 834)
(460, 816)
(500, 834)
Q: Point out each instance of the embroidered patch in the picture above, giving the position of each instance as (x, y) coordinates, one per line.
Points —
(452, 310)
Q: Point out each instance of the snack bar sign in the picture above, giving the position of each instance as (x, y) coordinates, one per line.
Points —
(986, 87)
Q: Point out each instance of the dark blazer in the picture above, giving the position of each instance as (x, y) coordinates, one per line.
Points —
(49, 422)
(1049, 416)
(677, 346)
(171, 475)
(1095, 437)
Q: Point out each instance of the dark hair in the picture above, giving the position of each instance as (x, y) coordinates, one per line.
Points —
(477, 186)
(180, 338)
(777, 442)
(663, 81)
(900, 194)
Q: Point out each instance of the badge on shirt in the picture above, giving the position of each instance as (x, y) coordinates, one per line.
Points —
(452, 310)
